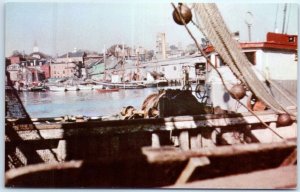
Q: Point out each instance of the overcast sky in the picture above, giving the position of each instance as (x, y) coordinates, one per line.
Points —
(60, 27)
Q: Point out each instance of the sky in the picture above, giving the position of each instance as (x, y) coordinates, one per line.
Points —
(59, 27)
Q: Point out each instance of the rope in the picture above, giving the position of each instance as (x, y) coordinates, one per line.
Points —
(219, 74)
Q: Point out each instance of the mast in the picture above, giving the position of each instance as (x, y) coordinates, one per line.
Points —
(275, 24)
(123, 61)
(284, 17)
(104, 61)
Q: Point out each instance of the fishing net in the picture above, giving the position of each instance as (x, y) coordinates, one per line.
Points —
(214, 28)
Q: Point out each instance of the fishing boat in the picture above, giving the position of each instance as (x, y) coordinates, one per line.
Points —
(173, 141)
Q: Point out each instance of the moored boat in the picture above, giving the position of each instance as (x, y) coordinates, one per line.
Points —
(106, 90)
(125, 85)
(72, 88)
(38, 88)
(97, 87)
(85, 87)
(57, 88)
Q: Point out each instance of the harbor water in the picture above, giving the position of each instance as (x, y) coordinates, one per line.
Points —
(87, 103)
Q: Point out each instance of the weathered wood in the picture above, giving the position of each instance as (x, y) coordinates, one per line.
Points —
(267, 136)
(13, 173)
(190, 167)
(178, 122)
(155, 140)
(291, 159)
(278, 178)
(62, 130)
(167, 154)
(184, 141)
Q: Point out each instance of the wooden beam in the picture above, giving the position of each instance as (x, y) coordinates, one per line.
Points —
(167, 154)
(169, 123)
(30, 169)
(291, 159)
(190, 168)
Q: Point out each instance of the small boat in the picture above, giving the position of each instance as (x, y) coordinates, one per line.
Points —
(72, 88)
(97, 87)
(57, 88)
(105, 90)
(38, 88)
(85, 87)
(126, 85)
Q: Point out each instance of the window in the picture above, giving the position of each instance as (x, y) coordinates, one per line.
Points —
(291, 39)
(219, 61)
(162, 69)
(175, 68)
(251, 56)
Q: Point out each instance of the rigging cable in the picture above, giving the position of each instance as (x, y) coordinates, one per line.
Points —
(219, 74)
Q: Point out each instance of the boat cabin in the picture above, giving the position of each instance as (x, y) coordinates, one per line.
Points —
(275, 60)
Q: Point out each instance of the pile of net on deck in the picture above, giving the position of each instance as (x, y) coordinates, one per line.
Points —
(214, 28)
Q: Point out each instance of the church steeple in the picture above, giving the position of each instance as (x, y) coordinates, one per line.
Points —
(35, 47)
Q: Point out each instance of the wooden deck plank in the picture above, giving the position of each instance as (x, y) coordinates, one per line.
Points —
(278, 178)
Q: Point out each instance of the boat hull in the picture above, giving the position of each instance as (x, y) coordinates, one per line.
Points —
(57, 89)
(107, 90)
(123, 85)
(72, 88)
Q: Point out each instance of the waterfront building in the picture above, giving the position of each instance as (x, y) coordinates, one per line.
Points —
(46, 69)
(14, 71)
(28, 68)
(25, 75)
(173, 68)
(37, 59)
(62, 70)
(17, 58)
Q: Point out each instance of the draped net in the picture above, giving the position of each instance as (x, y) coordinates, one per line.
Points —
(214, 28)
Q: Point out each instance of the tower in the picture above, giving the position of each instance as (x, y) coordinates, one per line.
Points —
(35, 47)
(161, 46)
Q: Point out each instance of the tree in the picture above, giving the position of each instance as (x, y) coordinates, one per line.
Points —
(112, 49)
(16, 53)
(173, 47)
(149, 55)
